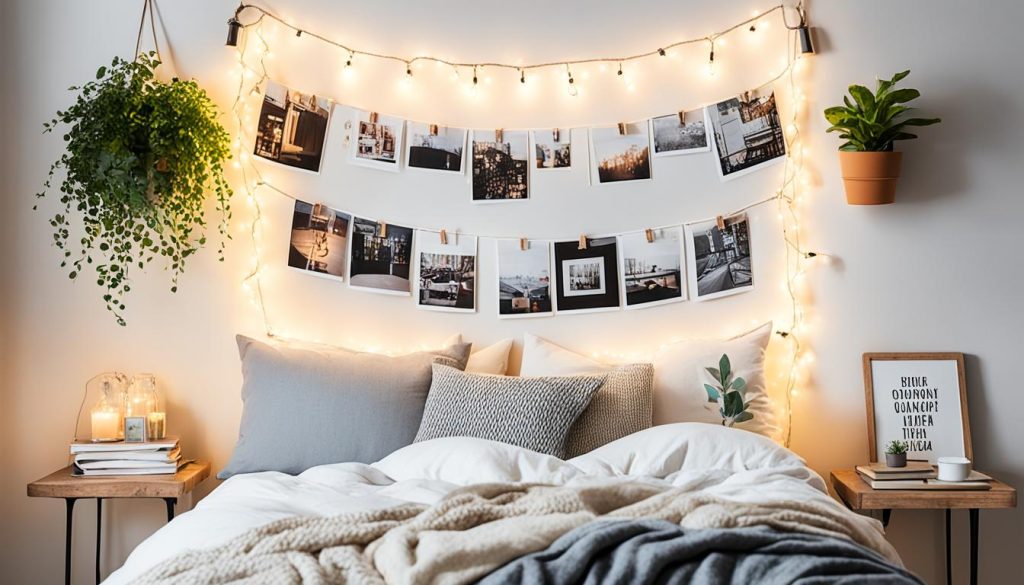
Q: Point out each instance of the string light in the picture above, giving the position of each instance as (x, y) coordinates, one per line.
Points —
(408, 70)
(786, 197)
(572, 83)
(711, 59)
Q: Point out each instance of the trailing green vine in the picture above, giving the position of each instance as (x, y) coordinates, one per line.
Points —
(140, 157)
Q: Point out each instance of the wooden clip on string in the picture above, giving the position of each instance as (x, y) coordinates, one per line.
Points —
(383, 230)
(444, 237)
(720, 222)
(583, 243)
(649, 233)
(499, 135)
(622, 129)
(524, 244)
(374, 117)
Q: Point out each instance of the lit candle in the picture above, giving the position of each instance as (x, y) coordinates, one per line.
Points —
(104, 425)
(155, 425)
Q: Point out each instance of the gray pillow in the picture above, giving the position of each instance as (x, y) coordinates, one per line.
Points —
(622, 406)
(531, 412)
(303, 407)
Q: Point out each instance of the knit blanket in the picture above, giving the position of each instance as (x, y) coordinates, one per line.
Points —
(477, 529)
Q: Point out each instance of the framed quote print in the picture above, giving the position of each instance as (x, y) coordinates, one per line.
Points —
(919, 398)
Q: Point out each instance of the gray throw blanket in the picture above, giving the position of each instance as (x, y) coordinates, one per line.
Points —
(476, 530)
(621, 552)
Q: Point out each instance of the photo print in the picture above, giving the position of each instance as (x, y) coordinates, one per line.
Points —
(524, 279)
(319, 240)
(292, 128)
(682, 133)
(379, 257)
(652, 271)
(620, 153)
(435, 148)
(747, 132)
(587, 280)
(552, 149)
(377, 140)
(446, 272)
(720, 262)
(500, 165)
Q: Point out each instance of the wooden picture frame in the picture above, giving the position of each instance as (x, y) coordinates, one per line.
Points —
(917, 362)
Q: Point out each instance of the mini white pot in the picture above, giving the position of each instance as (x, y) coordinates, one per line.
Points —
(954, 468)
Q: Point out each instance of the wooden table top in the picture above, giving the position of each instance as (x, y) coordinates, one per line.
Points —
(858, 495)
(62, 484)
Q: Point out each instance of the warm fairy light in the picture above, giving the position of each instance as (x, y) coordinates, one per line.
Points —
(250, 73)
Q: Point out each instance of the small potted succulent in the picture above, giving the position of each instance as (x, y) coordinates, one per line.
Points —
(896, 454)
(870, 123)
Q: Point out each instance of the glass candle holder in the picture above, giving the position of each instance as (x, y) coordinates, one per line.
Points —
(106, 417)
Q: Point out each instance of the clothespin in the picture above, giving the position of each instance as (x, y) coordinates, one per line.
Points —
(433, 129)
(499, 135)
(650, 235)
(374, 117)
(444, 237)
(682, 117)
(583, 242)
(556, 135)
(524, 244)
(622, 128)
(383, 230)
(721, 222)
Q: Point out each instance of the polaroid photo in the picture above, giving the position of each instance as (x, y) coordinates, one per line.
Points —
(446, 272)
(552, 149)
(500, 165)
(720, 262)
(379, 257)
(652, 269)
(435, 148)
(747, 133)
(620, 153)
(319, 240)
(587, 280)
(377, 140)
(292, 128)
(682, 133)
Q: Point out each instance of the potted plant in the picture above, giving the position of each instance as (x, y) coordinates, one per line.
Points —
(896, 454)
(728, 393)
(141, 155)
(870, 123)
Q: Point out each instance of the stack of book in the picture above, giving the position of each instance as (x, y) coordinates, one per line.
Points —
(917, 475)
(150, 458)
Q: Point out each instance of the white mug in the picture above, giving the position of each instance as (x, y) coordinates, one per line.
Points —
(954, 468)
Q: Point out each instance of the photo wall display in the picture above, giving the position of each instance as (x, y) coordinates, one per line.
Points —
(535, 278)
(744, 133)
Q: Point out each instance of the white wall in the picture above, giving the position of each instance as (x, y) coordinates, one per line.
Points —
(937, 271)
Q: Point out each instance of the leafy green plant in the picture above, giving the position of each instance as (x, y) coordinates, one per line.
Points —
(140, 157)
(729, 392)
(871, 122)
(896, 447)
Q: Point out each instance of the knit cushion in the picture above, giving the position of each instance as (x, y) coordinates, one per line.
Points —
(535, 413)
(621, 406)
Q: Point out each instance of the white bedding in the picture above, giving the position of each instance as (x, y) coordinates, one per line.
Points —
(729, 463)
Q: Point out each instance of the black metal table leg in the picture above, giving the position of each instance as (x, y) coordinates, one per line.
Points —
(886, 514)
(99, 527)
(70, 504)
(170, 507)
(949, 549)
(974, 546)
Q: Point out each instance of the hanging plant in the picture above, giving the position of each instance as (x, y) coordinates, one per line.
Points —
(141, 156)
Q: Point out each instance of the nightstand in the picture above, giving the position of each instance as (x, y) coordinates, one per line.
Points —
(61, 484)
(858, 495)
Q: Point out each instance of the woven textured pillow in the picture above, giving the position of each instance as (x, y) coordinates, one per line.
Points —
(535, 413)
(622, 406)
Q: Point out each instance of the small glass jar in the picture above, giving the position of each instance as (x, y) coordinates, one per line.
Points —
(156, 416)
(106, 417)
(139, 397)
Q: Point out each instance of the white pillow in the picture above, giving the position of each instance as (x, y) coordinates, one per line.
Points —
(666, 449)
(468, 460)
(679, 376)
(544, 358)
(492, 359)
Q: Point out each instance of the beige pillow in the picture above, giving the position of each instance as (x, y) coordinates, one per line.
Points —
(492, 359)
(621, 407)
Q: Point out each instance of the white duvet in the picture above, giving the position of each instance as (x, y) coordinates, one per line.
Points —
(728, 463)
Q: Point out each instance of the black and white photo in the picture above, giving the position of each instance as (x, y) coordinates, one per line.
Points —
(524, 278)
(435, 148)
(587, 279)
(552, 149)
(292, 128)
(682, 133)
(446, 272)
(380, 256)
(500, 165)
(720, 260)
(747, 132)
(652, 268)
(319, 240)
(377, 140)
(620, 153)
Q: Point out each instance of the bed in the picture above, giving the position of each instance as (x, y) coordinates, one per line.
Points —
(750, 511)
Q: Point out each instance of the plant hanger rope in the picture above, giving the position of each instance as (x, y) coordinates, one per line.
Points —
(408, 61)
(147, 7)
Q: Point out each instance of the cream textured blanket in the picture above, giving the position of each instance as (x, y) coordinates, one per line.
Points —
(474, 531)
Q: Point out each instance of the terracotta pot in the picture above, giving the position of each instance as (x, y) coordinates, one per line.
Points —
(870, 177)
